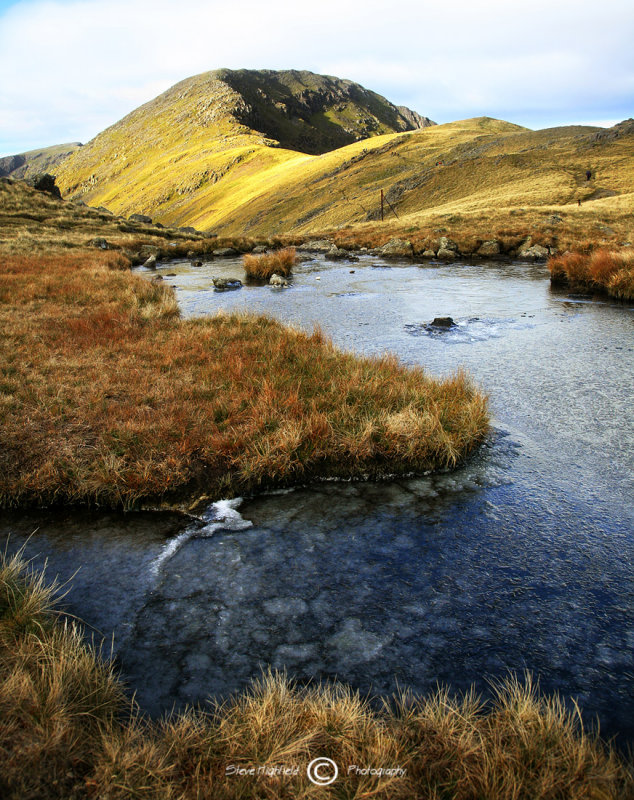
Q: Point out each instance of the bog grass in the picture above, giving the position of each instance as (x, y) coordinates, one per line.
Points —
(262, 267)
(611, 272)
(67, 730)
(108, 398)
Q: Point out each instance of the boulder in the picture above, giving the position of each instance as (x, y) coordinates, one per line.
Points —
(142, 218)
(316, 246)
(44, 182)
(151, 262)
(442, 322)
(101, 244)
(446, 253)
(226, 251)
(535, 252)
(396, 248)
(223, 284)
(490, 248)
(336, 253)
(259, 250)
(187, 230)
(429, 254)
(277, 280)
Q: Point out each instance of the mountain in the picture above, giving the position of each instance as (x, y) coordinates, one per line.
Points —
(175, 149)
(265, 153)
(46, 159)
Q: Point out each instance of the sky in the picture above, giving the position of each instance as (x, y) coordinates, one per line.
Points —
(70, 68)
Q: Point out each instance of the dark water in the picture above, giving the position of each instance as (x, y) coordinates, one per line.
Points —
(522, 560)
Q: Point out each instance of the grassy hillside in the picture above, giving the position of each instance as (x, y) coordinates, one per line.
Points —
(46, 159)
(189, 141)
(223, 152)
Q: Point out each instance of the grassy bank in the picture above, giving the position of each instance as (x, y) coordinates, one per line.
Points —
(611, 272)
(262, 267)
(107, 397)
(68, 731)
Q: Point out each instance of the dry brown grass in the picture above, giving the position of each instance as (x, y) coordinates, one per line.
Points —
(601, 270)
(262, 267)
(67, 731)
(107, 397)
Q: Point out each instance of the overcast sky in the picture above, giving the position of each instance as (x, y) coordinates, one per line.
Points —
(70, 68)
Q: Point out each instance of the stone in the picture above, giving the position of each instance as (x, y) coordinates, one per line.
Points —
(226, 252)
(336, 253)
(316, 246)
(142, 218)
(429, 254)
(157, 278)
(442, 322)
(259, 250)
(187, 230)
(535, 252)
(101, 244)
(197, 263)
(277, 280)
(44, 182)
(447, 244)
(224, 284)
(396, 248)
(446, 253)
(490, 248)
(151, 262)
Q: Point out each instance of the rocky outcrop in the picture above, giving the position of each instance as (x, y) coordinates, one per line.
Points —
(141, 218)
(44, 182)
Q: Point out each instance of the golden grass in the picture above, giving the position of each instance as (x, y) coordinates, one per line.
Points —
(262, 267)
(107, 397)
(602, 270)
(67, 731)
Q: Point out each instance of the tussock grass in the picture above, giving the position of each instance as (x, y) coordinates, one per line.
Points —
(602, 270)
(107, 397)
(261, 267)
(67, 731)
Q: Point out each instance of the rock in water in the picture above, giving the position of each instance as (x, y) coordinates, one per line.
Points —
(223, 284)
(442, 322)
(277, 280)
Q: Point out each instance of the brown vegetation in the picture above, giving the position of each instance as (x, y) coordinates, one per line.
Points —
(262, 267)
(598, 271)
(107, 397)
(66, 731)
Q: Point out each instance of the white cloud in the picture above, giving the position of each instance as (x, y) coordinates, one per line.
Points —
(69, 69)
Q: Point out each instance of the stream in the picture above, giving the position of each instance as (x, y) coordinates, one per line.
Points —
(520, 560)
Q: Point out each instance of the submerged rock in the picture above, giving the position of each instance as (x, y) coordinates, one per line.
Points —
(223, 284)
